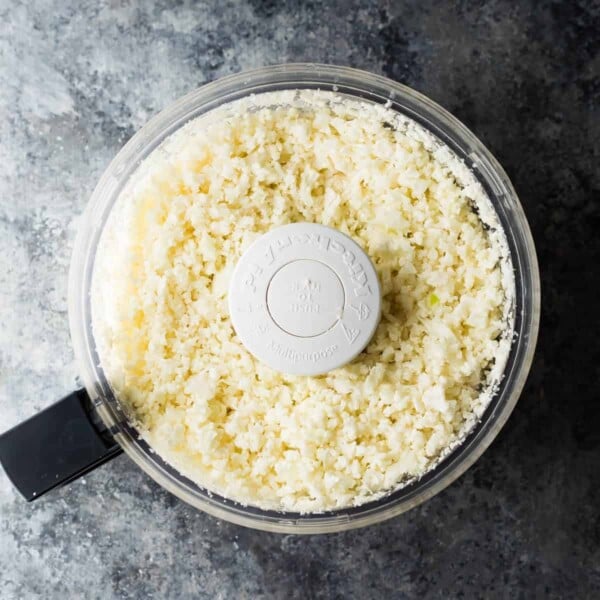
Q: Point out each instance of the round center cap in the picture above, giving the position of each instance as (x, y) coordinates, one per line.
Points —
(305, 298)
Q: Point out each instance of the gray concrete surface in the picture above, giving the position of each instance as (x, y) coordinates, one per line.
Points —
(78, 78)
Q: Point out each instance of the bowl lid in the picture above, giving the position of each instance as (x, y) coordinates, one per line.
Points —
(305, 299)
(353, 84)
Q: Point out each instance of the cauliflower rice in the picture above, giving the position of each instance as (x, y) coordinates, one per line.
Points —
(202, 401)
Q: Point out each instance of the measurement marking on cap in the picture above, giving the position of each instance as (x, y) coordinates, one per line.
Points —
(254, 271)
(362, 311)
(355, 268)
(351, 333)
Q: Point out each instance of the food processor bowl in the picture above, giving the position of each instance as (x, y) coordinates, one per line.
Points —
(97, 415)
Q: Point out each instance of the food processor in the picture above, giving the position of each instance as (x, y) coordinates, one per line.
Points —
(90, 426)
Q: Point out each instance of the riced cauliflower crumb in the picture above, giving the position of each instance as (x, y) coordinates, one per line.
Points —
(202, 401)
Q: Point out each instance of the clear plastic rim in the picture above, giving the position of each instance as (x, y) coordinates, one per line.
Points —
(372, 88)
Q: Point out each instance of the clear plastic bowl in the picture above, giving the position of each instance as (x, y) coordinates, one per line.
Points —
(370, 88)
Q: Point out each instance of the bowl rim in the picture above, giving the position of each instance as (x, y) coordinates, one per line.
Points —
(369, 87)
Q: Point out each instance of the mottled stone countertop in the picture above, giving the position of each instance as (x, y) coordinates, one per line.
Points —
(78, 78)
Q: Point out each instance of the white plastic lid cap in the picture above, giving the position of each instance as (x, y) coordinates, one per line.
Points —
(305, 299)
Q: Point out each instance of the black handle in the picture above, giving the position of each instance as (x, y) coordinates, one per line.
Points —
(56, 446)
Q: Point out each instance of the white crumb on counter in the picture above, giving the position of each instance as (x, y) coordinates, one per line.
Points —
(232, 424)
